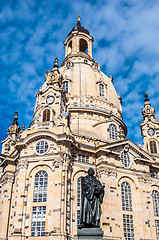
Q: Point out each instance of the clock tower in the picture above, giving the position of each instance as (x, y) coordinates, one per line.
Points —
(150, 128)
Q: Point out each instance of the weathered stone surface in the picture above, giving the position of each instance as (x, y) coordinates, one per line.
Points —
(90, 234)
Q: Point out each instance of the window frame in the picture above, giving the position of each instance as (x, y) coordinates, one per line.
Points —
(101, 90)
(46, 121)
(127, 195)
(41, 189)
(157, 228)
(40, 154)
(123, 159)
(128, 226)
(40, 226)
(115, 131)
(149, 147)
(66, 89)
(155, 201)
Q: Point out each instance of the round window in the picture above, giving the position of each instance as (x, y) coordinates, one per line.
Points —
(125, 159)
(42, 147)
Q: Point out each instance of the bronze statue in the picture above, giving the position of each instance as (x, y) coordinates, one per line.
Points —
(92, 197)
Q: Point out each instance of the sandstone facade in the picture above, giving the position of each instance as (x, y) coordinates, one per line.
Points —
(78, 124)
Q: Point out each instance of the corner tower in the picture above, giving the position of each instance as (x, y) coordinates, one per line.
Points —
(149, 128)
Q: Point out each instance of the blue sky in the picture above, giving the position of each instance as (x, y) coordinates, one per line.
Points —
(126, 45)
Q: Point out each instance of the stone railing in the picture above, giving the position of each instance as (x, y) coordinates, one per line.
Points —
(94, 102)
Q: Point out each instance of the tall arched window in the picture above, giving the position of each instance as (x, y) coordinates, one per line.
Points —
(126, 197)
(101, 90)
(70, 47)
(113, 132)
(155, 197)
(46, 115)
(83, 45)
(65, 86)
(79, 192)
(153, 146)
(40, 187)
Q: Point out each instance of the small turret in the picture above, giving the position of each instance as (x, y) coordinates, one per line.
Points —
(148, 111)
(78, 40)
(54, 77)
(149, 128)
(14, 129)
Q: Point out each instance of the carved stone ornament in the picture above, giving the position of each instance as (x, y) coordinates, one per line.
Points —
(144, 178)
(7, 147)
(57, 162)
(147, 111)
(14, 129)
(7, 177)
(126, 148)
(102, 171)
(54, 76)
(22, 164)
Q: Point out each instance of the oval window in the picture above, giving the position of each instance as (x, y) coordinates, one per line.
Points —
(42, 147)
(125, 159)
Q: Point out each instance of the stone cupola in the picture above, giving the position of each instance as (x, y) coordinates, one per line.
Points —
(78, 41)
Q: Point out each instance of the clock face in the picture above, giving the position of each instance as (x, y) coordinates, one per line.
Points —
(151, 131)
(50, 99)
(148, 110)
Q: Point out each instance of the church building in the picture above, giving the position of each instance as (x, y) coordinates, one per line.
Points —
(78, 124)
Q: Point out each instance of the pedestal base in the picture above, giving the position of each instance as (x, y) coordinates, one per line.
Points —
(90, 234)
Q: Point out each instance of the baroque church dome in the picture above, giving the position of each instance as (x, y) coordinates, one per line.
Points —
(92, 101)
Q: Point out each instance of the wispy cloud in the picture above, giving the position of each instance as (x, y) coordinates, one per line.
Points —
(126, 45)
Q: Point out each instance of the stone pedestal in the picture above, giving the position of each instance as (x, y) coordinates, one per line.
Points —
(90, 234)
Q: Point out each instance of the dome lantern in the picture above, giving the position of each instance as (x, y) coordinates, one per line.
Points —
(78, 41)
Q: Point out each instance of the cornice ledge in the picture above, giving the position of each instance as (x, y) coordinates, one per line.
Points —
(44, 134)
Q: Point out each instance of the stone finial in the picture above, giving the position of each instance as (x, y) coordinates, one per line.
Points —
(23, 127)
(79, 20)
(111, 78)
(146, 97)
(148, 111)
(14, 129)
(15, 121)
(56, 63)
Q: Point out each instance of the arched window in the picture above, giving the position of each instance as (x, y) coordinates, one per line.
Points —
(113, 132)
(46, 115)
(79, 192)
(70, 47)
(83, 45)
(125, 159)
(101, 90)
(155, 197)
(153, 146)
(65, 86)
(126, 197)
(40, 187)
